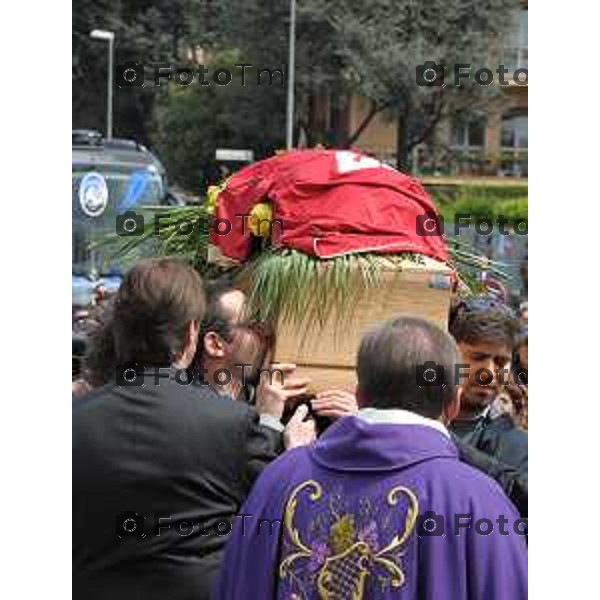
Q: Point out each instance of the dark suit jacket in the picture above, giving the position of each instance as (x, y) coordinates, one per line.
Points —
(506, 447)
(511, 479)
(498, 437)
(167, 462)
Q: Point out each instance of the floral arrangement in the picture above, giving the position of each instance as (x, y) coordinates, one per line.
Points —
(282, 275)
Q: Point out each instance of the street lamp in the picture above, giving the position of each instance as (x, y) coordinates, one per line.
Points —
(289, 134)
(108, 36)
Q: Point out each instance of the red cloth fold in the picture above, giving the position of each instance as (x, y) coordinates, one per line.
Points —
(330, 202)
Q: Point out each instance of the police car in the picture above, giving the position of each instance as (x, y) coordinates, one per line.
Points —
(110, 178)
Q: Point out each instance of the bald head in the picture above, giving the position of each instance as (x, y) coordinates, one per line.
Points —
(391, 360)
(233, 304)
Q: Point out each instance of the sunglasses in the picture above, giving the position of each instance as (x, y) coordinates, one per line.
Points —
(482, 304)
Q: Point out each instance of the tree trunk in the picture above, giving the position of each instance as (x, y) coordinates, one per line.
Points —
(402, 150)
(340, 116)
(311, 126)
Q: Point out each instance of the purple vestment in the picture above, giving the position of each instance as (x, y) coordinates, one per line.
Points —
(360, 518)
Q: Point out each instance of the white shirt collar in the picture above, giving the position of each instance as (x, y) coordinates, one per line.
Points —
(397, 416)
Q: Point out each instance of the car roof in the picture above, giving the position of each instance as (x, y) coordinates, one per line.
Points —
(113, 152)
(84, 155)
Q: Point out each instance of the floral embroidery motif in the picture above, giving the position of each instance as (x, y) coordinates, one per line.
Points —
(344, 547)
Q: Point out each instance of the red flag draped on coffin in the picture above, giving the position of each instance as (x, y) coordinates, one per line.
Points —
(331, 202)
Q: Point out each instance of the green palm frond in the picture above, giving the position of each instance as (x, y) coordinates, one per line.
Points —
(168, 231)
(299, 288)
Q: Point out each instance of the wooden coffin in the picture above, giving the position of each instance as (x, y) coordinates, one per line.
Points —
(327, 353)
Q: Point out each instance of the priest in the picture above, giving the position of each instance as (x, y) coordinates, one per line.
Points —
(380, 506)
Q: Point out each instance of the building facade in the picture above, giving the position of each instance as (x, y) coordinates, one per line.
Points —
(489, 142)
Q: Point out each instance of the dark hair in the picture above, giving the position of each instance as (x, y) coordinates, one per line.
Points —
(519, 372)
(219, 320)
(99, 360)
(483, 319)
(518, 397)
(388, 363)
(157, 298)
(93, 345)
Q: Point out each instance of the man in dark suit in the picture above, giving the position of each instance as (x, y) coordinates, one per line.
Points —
(160, 468)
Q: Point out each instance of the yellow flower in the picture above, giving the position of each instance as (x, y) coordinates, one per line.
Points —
(261, 217)
(212, 196)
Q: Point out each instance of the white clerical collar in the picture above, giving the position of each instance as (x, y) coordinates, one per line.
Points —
(397, 416)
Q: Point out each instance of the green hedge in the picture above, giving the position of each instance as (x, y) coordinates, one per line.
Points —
(483, 202)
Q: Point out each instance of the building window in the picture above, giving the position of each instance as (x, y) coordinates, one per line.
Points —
(467, 145)
(469, 132)
(514, 132)
(514, 144)
(515, 52)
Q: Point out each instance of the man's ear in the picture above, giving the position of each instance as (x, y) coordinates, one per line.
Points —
(452, 409)
(213, 345)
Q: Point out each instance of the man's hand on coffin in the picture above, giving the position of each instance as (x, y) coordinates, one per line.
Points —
(277, 385)
(300, 430)
(334, 404)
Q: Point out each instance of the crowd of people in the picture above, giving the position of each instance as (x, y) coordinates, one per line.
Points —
(236, 482)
